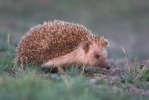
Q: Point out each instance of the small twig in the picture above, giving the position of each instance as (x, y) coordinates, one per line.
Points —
(5, 67)
(140, 73)
(135, 63)
(13, 70)
(147, 63)
(8, 40)
(113, 71)
(68, 83)
(126, 59)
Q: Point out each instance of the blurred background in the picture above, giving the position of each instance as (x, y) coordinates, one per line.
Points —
(123, 22)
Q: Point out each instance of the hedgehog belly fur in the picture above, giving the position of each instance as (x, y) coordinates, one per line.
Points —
(77, 57)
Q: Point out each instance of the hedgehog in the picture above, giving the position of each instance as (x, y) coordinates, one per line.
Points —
(60, 44)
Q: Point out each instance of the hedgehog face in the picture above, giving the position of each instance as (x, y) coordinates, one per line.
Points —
(97, 56)
(100, 57)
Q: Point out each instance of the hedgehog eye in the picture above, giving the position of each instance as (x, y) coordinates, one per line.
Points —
(97, 56)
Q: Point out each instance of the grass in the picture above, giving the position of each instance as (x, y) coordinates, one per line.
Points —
(30, 82)
(136, 75)
(31, 87)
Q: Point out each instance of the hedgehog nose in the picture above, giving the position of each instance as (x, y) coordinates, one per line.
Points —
(108, 67)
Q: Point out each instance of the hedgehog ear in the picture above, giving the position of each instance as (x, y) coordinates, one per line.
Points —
(105, 43)
(86, 46)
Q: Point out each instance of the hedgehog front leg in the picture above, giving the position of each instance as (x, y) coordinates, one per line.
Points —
(83, 69)
(61, 70)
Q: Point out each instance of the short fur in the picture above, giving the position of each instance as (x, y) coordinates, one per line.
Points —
(60, 43)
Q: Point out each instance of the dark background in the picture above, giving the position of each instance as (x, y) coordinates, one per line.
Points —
(123, 22)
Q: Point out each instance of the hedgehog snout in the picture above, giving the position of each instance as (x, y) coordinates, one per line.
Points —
(108, 67)
(105, 65)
